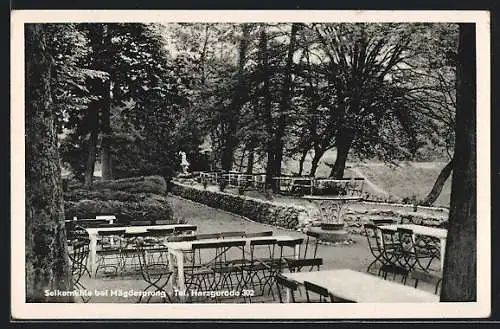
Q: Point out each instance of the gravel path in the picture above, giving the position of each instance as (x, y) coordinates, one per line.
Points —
(355, 256)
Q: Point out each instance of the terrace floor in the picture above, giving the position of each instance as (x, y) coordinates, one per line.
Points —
(354, 256)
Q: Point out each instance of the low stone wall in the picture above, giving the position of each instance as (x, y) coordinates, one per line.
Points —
(297, 216)
(355, 219)
(268, 212)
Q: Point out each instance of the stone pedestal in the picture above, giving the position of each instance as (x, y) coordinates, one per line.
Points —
(330, 235)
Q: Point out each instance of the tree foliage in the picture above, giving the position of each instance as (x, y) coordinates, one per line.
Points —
(256, 94)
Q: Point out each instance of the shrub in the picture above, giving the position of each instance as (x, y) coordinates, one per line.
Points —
(149, 209)
(137, 198)
(143, 184)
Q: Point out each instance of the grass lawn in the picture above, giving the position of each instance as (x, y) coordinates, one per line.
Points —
(404, 180)
(355, 256)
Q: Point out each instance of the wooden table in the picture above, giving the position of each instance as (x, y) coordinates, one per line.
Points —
(362, 287)
(439, 233)
(108, 218)
(92, 231)
(176, 252)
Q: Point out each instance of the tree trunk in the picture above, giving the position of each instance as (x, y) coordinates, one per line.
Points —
(459, 274)
(301, 162)
(251, 160)
(268, 118)
(343, 140)
(106, 133)
(203, 55)
(47, 263)
(106, 100)
(285, 103)
(242, 159)
(92, 148)
(236, 103)
(315, 161)
(438, 185)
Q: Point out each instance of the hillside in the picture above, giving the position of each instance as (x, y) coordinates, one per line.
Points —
(398, 182)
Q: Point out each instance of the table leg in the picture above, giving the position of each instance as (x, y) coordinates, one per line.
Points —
(92, 252)
(181, 286)
(442, 251)
(288, 297)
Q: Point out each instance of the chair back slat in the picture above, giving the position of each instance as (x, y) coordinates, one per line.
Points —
(323, 293)
(206, 236)
(259, 234)
(383, 221)
(160, 232)
(181, 238)
(232, 234)
(141, 223)
(286, 283)
(110, 232)
(185, 229)
(296, 265)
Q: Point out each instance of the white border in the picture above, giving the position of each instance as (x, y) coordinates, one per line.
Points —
(21, 310)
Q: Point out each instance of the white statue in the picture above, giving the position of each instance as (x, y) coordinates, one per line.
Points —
(184, 162)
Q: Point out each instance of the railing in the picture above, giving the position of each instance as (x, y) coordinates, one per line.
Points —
(314, 186)
(300, 185)
(234, 179)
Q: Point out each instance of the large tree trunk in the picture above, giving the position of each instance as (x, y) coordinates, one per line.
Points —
(343, 141)
(47, 264)
(203, 55)
(92, 146)
(284, 103)
(236, 103)
(106, 133)
(266, 93)
(438, 185)
(315, 161)
(105, 65)
(251, 159)
(459, 274)
(301, 161)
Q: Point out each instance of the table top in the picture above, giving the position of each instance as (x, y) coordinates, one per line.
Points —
(100, 218)
(188, 245)
(363, 287)
(439, 233)
(332, 198)
(133, 229)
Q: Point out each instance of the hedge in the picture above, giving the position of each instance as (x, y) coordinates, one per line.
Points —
(128, 199)
(143, 184)
(263, 211)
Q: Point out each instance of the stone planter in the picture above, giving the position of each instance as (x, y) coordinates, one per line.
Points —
(332, 226)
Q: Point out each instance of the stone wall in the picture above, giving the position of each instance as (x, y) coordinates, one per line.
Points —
(269, 212)
(297, 216)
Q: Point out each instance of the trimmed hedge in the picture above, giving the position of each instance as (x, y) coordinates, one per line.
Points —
(277, 214)
(151, 209)
(143, 184)
(128, 199)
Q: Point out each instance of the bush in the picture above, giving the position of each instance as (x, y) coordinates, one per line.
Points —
(147, 184)
(149, 209)
(137, 198)
(273, 213)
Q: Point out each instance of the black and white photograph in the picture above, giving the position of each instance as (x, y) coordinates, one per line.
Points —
(234, 165)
